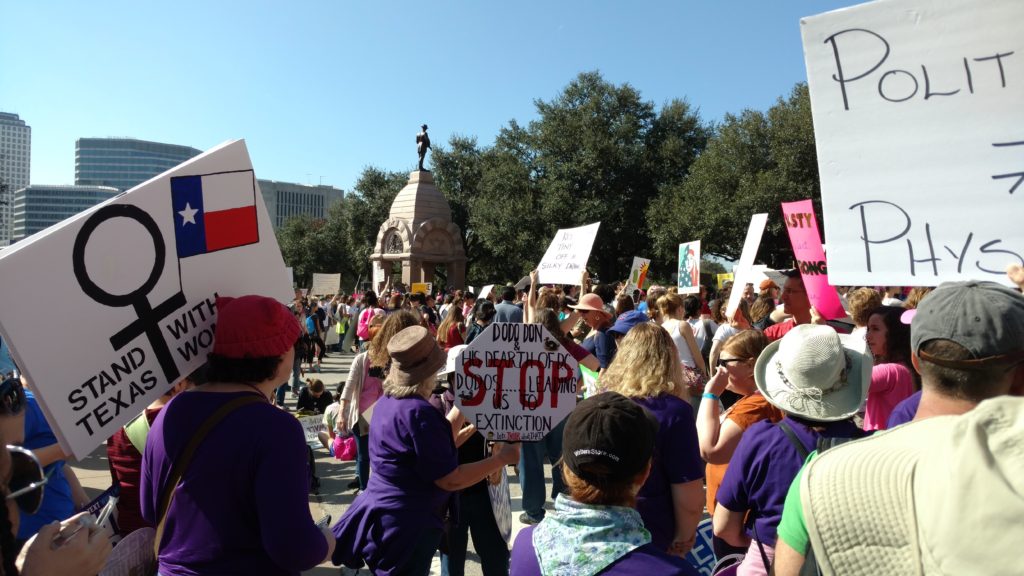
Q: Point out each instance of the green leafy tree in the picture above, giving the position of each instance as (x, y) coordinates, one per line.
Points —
(365, 209)
(755, 161)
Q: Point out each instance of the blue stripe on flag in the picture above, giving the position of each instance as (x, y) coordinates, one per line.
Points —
(189, 224)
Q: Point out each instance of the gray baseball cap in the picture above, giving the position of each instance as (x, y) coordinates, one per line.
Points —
(984, 317)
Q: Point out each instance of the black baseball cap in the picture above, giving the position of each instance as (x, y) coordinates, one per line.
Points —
(608, 437)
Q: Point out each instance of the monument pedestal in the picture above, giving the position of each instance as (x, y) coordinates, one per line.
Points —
(420, 236)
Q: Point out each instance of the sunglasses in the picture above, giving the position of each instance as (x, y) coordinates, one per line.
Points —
(12, 396)
(725, 362)
(27, 479)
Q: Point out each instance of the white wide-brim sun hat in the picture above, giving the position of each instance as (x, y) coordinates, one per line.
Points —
(815, 373)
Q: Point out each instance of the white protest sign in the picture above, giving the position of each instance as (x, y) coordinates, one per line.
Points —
(485, 292)
(378, 276)
(743, 268)
(515, 382)
(637, 274)
(566, 257)
(918, 112)
(326, 284)
(105, 311)
(311, 427)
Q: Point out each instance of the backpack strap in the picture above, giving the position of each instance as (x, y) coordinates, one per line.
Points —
(137, 430)
(182, 462)
(794, 440)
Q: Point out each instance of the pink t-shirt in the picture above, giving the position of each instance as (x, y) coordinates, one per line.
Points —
(890, 384)
(372, 391)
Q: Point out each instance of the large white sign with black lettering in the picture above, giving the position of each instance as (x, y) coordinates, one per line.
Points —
(515, 382)
(108, 309)
(919, 120)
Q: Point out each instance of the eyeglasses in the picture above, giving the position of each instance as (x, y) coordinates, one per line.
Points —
(12, 396)
(725, 362)
(27, 479)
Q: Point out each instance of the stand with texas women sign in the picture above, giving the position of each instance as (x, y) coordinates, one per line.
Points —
(107, 310)
(515, 382)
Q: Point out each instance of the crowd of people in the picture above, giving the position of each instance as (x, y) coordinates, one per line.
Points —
(813, 445)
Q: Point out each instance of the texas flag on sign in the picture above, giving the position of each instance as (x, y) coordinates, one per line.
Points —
(214, 212)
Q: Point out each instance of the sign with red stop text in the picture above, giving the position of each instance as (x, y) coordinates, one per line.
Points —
(515, 382)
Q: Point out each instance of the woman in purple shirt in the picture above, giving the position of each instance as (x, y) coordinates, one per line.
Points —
(647, 370)
(241, 505)
(394, 526)
(819, 379)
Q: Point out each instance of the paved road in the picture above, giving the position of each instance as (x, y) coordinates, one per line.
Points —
(333, 497)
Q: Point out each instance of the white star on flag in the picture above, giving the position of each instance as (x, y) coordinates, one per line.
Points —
(188, 215)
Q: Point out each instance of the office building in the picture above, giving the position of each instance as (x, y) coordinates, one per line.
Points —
(38, 207)
(125, 162)
(285, 200)
(15, 166)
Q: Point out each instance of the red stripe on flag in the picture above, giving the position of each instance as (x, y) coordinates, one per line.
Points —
(231, 228)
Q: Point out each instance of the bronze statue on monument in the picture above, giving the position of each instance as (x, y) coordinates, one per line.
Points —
(422, 145)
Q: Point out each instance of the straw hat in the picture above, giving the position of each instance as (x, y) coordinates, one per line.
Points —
(939, 496)
(815, 373)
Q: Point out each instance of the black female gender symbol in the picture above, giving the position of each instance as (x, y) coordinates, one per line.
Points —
(149, 318)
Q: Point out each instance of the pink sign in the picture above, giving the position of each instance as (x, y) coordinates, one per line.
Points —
(810, 258)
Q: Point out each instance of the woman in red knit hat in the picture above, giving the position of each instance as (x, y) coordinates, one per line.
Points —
(225, 475)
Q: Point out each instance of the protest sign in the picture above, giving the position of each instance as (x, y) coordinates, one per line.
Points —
(326, 284)
(919, 126)
(485, 292)
(424, 287)
(566, 257)
(590, 381)
(106, 310)
(702, 555)
(742, 270)
(515, 382)
(637, 274)
(689, 268)
(721, 279)
(810, 258)
(311, 427)
(378, 277)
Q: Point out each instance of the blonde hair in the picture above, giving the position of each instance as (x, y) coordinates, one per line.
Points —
(395, 390)
(670, 304)
(395, 322)
(646, 364)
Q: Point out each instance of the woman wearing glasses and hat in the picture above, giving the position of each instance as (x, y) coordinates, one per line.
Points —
(602, 344)
(22, 482)
(819, 379)
(395, 525)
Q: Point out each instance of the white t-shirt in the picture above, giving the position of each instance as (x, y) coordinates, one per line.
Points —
(724, 332)
(685, 356)
(698, 330)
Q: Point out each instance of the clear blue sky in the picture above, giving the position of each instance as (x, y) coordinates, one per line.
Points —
(320, 90)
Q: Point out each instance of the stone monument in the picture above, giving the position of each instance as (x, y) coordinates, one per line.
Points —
(419, 238)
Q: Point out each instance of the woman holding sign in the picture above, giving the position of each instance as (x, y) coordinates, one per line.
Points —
(395, 525)
(647, 370)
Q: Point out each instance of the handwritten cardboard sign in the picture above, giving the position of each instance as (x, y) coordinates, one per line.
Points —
(312, 426)
(810, 258)
(637, 274)
(688, 281)
(326, 284)
(137, 279)
(919, 125)
(743, 268)
(515, 382)
(566, 257)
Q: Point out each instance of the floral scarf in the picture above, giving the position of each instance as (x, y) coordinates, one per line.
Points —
(582, 540)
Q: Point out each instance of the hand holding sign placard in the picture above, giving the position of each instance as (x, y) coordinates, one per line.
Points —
(143, 315)
(919, 130)
(567, 255)
(515, 382)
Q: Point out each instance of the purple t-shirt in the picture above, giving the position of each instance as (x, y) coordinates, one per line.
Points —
(676, 461)
(904, 411)
(411, 447)
(242, 506)
(764, 465)
(646, 560)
